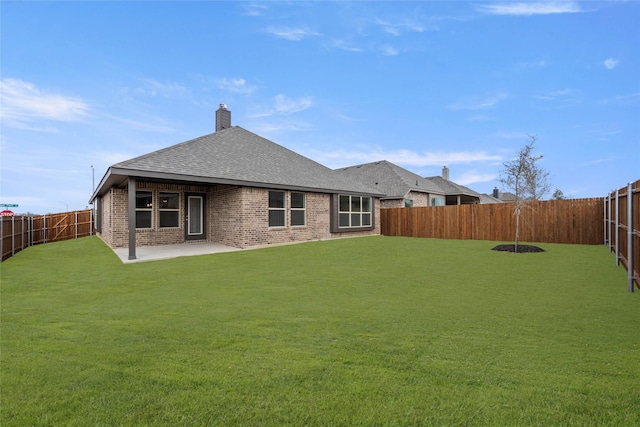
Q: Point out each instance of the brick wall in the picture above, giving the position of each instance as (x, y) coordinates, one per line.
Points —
(419, 199)
(236, 216)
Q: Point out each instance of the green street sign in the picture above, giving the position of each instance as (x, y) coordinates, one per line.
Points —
(8, 205)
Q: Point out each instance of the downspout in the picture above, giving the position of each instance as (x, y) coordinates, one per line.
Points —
(132, 218)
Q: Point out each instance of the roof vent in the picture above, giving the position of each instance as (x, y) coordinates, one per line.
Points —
(223, 118)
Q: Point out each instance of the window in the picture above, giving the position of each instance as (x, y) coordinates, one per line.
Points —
(298, 209)
(408, 203)
(354, 211)
(276, 209)
(437, 201)
(144, 209)
(169, 206)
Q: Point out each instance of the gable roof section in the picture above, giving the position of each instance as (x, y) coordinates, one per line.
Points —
(392, 180)
(450, 188)
(233, 156)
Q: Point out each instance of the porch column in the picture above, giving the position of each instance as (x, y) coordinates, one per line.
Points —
(132, 218)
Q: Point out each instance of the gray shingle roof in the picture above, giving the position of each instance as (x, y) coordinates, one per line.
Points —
(450, 188)
(390, 179)
(234, 156)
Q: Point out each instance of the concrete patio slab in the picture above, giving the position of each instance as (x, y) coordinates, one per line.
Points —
(155, 253)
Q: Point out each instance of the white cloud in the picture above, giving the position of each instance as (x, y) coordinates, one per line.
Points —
(397, 28)
(236, 85)
(532, 8)
(293, 34)
(611, 63)
(342, 158)
(285, 105)
(152, 87)
(24, 105)
(550, 96)
(483, 104)
(473, 177)
(341, 44)
(388, 50)
(254, 9)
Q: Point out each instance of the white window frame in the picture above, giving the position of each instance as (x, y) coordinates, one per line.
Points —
(161, 209)
(352, 213)
(282, 209)
(303, 209)
(148, 208)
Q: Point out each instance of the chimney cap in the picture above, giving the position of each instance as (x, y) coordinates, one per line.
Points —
(223, 106)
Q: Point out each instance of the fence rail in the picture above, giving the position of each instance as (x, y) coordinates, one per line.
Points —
(20, 232)
(577, 221)
(622, 229)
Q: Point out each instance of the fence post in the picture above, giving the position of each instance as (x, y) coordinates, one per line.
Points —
(604, 212)
(44, 228)
(630, 269)
(91, 222)
(76, 224)
(609, 224)
(13, 236)
(617, 227)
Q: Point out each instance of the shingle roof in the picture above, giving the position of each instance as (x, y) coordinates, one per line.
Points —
(488, 199)
(234, 156)
(450, 188)
(390, 179)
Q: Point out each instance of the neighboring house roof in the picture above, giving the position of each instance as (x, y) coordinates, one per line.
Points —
(507, 197)
(487, 199)
(233, 156)
(450, 188)
(389, 179)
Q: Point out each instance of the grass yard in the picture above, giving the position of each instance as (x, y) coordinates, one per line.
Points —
(363, 331)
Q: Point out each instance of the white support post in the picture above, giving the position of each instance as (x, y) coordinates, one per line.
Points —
(630, 268)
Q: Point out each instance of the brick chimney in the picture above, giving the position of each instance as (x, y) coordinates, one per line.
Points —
(223, 118)
(445, 173)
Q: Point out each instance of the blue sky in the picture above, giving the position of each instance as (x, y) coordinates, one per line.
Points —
(420, 84)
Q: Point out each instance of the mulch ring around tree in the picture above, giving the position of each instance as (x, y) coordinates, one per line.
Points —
(521, 248)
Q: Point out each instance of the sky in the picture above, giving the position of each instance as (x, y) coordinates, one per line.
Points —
(462, 84)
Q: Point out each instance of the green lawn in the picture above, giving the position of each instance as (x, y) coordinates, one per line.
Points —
(365, 331)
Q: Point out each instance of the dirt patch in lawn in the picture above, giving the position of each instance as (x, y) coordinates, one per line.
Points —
(521, 248)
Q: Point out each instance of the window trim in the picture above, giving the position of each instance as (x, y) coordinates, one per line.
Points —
(293, 209)
(161, 210)
(335, 214)
(149, 209)
(283, 209)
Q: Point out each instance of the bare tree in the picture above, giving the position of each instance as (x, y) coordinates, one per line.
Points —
(526, 179)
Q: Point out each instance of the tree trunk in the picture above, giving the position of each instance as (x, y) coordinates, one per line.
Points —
(517, 227)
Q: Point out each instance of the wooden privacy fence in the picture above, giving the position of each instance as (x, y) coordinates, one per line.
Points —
(554, 221)
(622, 229)
(20, 232)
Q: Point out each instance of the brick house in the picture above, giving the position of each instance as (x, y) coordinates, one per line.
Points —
(403, 188)
(231, 187)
